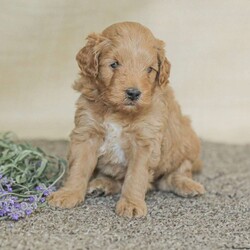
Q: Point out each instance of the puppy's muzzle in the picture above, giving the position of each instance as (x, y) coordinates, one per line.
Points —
(133, 94)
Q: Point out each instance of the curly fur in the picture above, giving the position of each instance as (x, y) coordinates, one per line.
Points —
(122, 146)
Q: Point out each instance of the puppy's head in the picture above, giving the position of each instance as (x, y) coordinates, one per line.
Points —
(123, 65)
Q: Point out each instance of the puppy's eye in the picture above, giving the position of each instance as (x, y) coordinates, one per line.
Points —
(149, 69)
(114, 65)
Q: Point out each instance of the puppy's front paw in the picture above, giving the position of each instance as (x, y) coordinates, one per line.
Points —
(65, 198)
(129, 209)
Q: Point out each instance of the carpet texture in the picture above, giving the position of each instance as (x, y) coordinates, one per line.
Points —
(218, 220)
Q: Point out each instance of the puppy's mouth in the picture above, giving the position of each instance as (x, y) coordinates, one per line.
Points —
(130, 103)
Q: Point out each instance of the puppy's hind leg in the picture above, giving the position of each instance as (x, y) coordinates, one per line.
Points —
(180, 182)
(104, 185)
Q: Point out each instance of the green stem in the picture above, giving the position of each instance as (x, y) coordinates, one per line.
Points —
(15, 194)
(60, 176)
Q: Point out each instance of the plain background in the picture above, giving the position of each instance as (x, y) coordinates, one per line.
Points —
(207, 43)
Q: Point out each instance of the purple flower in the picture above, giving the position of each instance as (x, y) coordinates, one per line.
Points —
(28, 211)
(38, 188)
(46, 193)
(17, 205)
(4, 203)
(41, 187)
(31, 199)
(42, 200)
(13, 207)
(15, 217)
(2, 213)
(11, 201)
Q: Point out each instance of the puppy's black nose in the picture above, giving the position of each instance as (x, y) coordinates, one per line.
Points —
(133, 94)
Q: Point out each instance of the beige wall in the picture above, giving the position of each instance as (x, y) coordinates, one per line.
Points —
(208, 44)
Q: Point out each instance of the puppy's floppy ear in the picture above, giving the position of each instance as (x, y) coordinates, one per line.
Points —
(87, 57)
(164, 64)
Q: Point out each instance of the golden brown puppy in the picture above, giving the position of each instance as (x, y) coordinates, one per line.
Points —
(130, 134)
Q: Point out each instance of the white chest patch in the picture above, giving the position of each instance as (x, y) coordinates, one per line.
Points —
(111, 147)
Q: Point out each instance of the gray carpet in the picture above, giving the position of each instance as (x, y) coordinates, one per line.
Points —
(218, 220)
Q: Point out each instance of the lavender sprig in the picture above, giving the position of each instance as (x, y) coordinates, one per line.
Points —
(27, 177)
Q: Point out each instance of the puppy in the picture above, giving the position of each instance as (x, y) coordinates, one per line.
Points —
(130, 135)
